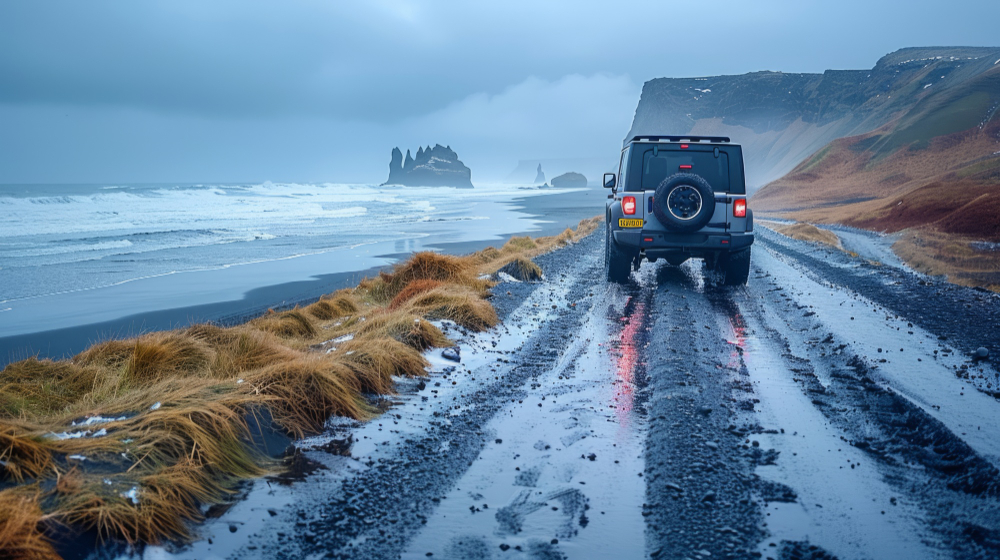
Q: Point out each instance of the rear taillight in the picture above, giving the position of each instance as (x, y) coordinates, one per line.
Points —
(628, 205)
(740, 208)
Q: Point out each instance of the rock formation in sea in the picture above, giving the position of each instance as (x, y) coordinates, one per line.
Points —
(433, 167)
(571, 180)
(540, 176)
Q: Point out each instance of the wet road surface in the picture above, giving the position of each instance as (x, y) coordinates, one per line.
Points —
(830, 409)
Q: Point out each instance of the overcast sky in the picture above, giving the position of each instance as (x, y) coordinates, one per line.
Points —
(230, 91)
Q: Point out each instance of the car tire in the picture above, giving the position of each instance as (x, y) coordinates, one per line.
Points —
(735, 267)
(617, 262)
(684, 202)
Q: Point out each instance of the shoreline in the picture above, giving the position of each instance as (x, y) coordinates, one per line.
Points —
(559, 211)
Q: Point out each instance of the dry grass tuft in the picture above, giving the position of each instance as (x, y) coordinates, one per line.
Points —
(404, 327)
(374, 361)
(42, 387)
(195, 424)
(337, 305)
(139, 362)
(518, 245)
(22, 456)
(954, 256)
(806, 232)
(152, 509)
(21, 519)
(412, 289)
(241, 349)
(287, 324)
(304, 392)
(433, 266)
(458, 304)
(522, 269)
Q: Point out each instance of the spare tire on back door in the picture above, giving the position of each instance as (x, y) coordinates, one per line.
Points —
(684, 202)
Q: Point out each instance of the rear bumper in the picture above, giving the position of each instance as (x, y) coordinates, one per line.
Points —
(683, 242)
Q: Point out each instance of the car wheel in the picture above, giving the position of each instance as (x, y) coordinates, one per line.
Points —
(617, 263)
(735, 267)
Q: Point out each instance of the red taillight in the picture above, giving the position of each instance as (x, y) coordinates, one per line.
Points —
(740, 208)
(684, 146)
(686, 166)
(628, 205)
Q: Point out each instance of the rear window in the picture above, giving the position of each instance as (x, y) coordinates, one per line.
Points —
(649, 166)
(656, 168)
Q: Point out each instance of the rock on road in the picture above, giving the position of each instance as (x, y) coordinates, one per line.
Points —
(830, 409)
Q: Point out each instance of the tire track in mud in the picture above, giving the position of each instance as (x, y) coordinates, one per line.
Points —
(702, 497)
(928, 464)
(376, 511)
(967, 318)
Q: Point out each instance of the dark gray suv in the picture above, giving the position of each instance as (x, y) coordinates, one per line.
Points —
(676, 198)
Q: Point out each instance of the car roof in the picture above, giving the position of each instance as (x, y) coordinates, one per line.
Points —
(688, 139)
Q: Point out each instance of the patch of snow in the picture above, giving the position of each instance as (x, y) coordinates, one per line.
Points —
(344, 338)
(108, 482)
(156, 406)
(100, 433)
(239, 382)
(97, 420)
(703, 90)
(348, 353)
(67, 435)
(928, 85)
(506, 277)
(77, 457)
(132, 495)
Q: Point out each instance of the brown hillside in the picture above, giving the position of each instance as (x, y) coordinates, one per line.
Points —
(951, 182)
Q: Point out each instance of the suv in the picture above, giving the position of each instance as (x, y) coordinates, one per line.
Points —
(676, 198)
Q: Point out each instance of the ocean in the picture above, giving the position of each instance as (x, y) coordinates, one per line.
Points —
(77, 255)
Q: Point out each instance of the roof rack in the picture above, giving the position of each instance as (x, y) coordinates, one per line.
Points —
(712, 139)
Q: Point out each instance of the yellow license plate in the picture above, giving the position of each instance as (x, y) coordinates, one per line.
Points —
(629, 222)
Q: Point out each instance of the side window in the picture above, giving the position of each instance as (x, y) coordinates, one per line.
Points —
(623, 169)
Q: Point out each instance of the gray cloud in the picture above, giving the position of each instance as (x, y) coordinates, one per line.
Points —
(194, 90)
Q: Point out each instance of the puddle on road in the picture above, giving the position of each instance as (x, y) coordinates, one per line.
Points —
(843, 503)
(562, 473)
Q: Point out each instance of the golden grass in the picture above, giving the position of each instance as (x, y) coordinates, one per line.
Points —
(333, 306)
(522, 268)
(42, 387)
(175, 405)
(21, 453)
(414, 288)
(306, 391)
(806, 232)
(21, 537)
(456, 303)
(408, 328)
(287, 324)
(937, 253)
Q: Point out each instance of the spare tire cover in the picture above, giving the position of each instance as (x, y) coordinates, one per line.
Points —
(684, 202)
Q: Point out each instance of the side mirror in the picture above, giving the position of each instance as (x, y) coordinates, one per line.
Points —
(609, 180)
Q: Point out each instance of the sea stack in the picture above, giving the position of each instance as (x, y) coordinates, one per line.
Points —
(540, 176)
(571, 180)
(433, 167)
